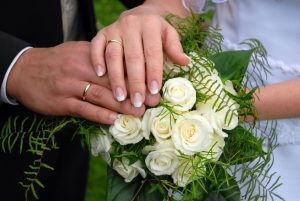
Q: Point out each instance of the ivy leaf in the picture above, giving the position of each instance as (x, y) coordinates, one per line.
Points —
(118, 189)
(148, 193)
(242, 146)
(232, 65)
(138, 189)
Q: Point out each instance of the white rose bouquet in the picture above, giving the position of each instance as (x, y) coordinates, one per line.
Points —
(194, 145)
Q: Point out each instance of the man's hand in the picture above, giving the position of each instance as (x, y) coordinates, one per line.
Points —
(51, 81)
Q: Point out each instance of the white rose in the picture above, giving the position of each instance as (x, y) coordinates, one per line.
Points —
(128, 172)
(101, 145)
(192, 133)
(179, 93)
(126, 130)
(215, 149)
(229, 87)
(159, 122)
(187, 171)
(221, 111)
(170, 69)
(204, 76)
(162, 159)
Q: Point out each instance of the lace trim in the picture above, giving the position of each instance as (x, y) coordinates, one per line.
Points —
(288, 131)
(275, 64)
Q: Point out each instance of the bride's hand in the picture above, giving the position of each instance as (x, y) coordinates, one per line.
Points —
(134, 45)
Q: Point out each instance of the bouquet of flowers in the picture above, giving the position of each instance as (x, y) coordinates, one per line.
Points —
(195, 145)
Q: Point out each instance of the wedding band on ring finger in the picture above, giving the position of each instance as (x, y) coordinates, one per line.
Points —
(85, 91)
(114, 41)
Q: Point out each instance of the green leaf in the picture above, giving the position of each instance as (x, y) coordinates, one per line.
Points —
(242, 146)
(232, 65)
(33, 191)
(149, 194)
(118, 189)
(138, 189)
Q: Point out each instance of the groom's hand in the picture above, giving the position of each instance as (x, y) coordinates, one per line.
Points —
(54, 81)
(134, 45)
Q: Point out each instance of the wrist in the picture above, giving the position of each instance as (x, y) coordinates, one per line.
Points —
(169, 7)
(15, 75)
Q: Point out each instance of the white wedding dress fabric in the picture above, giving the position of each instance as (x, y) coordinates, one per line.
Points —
(276, 23)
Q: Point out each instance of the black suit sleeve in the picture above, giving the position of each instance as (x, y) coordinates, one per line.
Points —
(132, 3)
(10, 46)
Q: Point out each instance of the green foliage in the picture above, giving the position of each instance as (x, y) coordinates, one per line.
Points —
(139, 189)
(232, 65)
(243, 165)
(241, 146)
(34, 135)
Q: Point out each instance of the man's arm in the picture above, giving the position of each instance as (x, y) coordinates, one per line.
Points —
(9, 48)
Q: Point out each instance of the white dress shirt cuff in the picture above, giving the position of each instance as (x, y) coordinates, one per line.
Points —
(4, 97)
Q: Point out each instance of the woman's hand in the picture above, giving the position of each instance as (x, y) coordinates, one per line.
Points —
(134, 46)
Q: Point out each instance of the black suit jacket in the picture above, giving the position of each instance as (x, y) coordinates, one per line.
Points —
(38, 23)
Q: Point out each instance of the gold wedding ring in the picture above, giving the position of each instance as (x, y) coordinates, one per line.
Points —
(114, 41)
(85, 91)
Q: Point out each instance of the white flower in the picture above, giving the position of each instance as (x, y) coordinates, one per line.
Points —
(221, 112)
(126, 130)
(187, 171)
(229, 87)
(179, 93)
(159, 122)
(101, 145)
(206, 77)
(128, 172)
(171, 69)
(162, 159)
(216, 147)
(192, 133)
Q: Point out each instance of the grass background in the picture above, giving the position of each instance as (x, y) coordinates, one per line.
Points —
(107, 11)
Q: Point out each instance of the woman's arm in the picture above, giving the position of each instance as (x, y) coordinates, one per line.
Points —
(278, 101)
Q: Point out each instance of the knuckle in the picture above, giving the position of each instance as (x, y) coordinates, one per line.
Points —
(111, 53)
(154, 69)
(98, 92)
(128, 20)
(116, 78)
(136, 81)
(151, 20)
(134, 56)
(153, 50)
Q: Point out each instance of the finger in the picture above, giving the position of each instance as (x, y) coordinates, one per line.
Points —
(115, 68)
(152, 99)
(103, 97)
(135, 65)
(91, 112)
(152, 41)
(172, 46)
(97, 54)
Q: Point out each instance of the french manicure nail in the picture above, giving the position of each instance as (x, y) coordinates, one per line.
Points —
(99, 71)
(153, 87)
(120, 94)
(137, 100)
(113, 117)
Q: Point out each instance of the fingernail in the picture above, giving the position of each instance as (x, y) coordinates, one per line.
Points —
(113, 117)
(120, 94)
(137, 100)
(187, 57)
(99, 71)
(153, 87)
